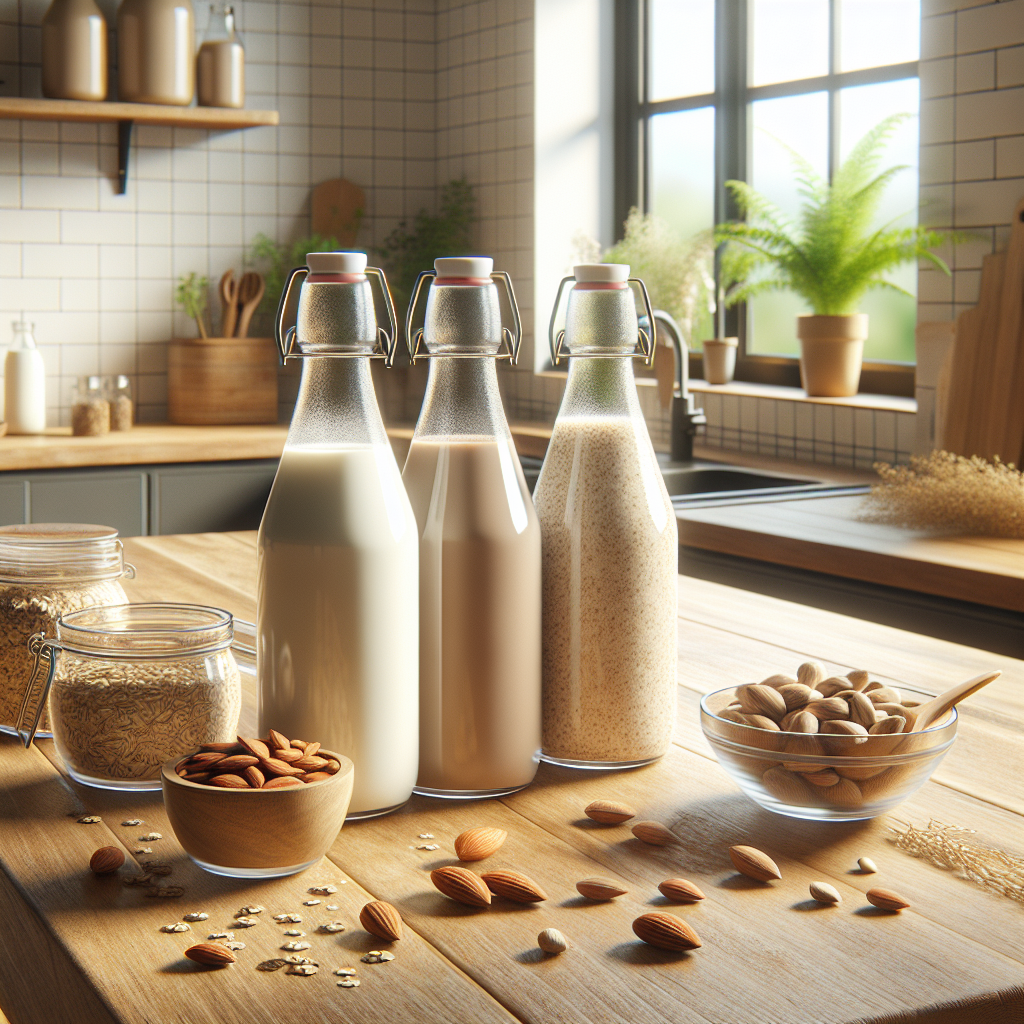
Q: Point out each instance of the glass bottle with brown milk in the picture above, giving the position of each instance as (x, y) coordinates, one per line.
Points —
(610, 545)
(220, 63)
(479, 548)
(338, 566)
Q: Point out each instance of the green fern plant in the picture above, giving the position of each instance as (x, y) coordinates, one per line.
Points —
(833, 254)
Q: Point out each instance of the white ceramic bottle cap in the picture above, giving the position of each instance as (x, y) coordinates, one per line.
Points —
(336, 262)
(602, 273)
(464, 266)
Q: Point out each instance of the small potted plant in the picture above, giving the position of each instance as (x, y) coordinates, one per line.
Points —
(830, 257)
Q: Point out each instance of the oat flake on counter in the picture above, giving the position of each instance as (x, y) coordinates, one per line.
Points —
(90, 819)
(348, 983)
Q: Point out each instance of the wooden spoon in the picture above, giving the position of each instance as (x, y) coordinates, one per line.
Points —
(228, 304)
(250, 293)
(930, 712)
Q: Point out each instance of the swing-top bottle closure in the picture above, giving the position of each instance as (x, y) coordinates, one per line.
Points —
(601, 320)
(463, 314)
(336, 314)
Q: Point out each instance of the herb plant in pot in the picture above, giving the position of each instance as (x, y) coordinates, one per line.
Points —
(830, 257)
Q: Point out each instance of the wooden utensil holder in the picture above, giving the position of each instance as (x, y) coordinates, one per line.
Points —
(222, 381)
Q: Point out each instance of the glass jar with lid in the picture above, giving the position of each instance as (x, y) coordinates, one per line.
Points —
(90, 409)
(48, 570)
(133, 686)
(118, 392)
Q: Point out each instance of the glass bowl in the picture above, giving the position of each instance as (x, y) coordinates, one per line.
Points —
(823, 776)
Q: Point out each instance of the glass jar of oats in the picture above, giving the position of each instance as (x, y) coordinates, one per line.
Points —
(132, 686)
(48, 570)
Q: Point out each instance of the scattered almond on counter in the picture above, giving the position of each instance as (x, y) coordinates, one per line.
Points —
(825, 893)
(680, 890)
(653, 833)
(211, 954)
(867, 865)
(461, 885)
(381, 919)
(666, 931)
(514, 886)
(753, 863)
(479, 843)
(886, 899)
(609, 812)
(600, 889)
(551, 940)
(106, 860)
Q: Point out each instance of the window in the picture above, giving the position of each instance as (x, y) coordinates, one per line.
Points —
(717, 89)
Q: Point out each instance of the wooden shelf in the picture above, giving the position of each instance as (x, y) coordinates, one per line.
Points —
(126, 115)
(222, 118)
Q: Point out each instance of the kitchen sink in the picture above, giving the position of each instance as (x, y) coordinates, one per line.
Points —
(702, 483)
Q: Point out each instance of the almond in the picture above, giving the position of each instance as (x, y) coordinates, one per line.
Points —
(609, 812)
(858, 678)
(867, 865)
(828, 708)
(666, 931)
(886, 899)
(311, 749)
(680, 890)
(884, 695)
(462, 886)
(228, 781)
(204, 759)
(778, 680)
(810, 673)
(254, 777)
(316, 776)
(479, 843)
(845, 793)
(800, 721)
(597, 888)
(653, 832)
(514, 886)
(310, 764)
(825, 893)
(289, 756)
(280, 783)
(758, 699)
(753, 863)
(211, 954)
(786, 787)
(761, 722)
(235, 762)
(254, 746)
(279, 741)
(888, 726)
(862, 711)
(106, 860)
(276, 767)
(381, 919)
(197, 776)
(822, 779)
(299, 745)
(796, 695)
(833, 685)
(551, 940)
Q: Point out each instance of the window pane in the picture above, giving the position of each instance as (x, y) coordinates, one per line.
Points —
(682, 179)
(800, 122)
(789, 40)
(891, 315)
(682, 48)
(876, 32)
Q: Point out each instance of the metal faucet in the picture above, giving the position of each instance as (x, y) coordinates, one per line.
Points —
(685, 418)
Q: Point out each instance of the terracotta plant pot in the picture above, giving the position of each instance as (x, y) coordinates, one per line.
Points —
(720, 359)
(831, 353)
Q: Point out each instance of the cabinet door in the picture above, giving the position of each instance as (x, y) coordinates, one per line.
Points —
(115, 498)
(12, 501)
(210, 497)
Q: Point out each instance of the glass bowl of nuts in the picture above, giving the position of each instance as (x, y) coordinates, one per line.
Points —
(824, 748)
(259, 807)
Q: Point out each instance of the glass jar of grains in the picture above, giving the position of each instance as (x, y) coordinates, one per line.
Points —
(48, 570)
(132, 686)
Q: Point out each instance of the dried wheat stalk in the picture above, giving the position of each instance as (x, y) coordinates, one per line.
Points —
(948, 846)
(949, 493)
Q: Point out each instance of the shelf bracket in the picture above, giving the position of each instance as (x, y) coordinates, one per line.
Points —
(124, 148)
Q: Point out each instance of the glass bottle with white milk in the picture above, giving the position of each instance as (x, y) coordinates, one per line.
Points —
(480, 575)
(610, 543)
(24, 383)
(338, 564)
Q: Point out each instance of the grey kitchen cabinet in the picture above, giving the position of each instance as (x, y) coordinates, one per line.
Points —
(202, 497)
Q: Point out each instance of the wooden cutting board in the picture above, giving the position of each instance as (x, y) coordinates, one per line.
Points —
(337, 210)
(1006, 419)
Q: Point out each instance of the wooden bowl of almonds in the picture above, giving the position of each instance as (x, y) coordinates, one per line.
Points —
(260, 807)
(824, 747)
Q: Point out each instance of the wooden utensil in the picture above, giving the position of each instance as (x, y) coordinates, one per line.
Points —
(927, 714)
(250, 294)
(229, 303)
(337, 210)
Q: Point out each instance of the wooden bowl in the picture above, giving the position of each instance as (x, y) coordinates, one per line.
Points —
(257, 833)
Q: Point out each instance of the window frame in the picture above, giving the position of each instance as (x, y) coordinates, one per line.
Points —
(731, 100)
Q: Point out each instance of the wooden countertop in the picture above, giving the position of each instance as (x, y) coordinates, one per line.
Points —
(825, 535)
(90, 949)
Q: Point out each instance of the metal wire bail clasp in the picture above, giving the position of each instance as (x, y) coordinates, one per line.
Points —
(289, 346)
(34, 701)
(645, 342)
(511, 340)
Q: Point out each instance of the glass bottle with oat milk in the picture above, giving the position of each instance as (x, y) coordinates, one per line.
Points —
(480, 573)
(337, 579)
(610, 544)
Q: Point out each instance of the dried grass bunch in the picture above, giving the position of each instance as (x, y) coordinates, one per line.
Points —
(947, 492)
(948, 846)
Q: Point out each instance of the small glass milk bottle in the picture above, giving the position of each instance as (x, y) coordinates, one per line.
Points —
(479, 547)
(610, 544)
(220, 64)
